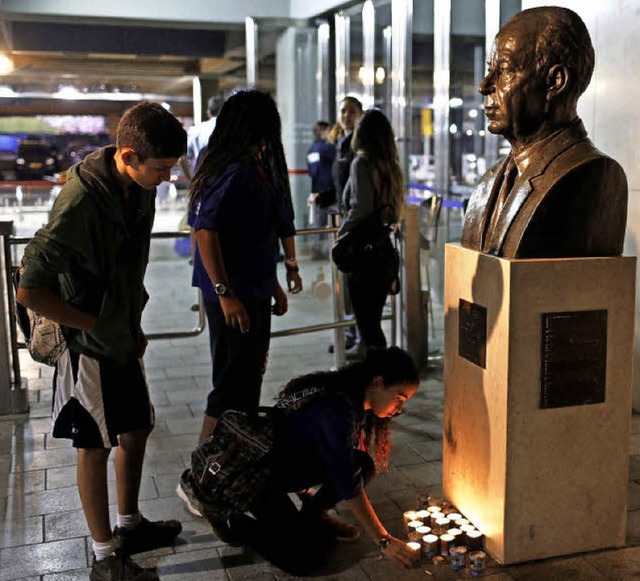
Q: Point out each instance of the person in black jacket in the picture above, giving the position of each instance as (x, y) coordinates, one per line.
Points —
(327, 441)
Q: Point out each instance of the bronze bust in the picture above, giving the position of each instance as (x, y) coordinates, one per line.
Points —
(555, 195)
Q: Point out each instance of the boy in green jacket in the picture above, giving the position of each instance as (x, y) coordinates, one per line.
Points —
(85, 270)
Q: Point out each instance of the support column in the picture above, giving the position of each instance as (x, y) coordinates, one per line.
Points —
(296, 64)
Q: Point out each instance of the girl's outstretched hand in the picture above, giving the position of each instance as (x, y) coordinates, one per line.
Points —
(398, 551)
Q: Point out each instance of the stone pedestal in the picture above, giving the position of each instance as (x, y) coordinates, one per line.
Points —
(538, 400)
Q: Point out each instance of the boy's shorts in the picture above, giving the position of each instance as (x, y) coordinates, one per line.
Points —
(95, 401)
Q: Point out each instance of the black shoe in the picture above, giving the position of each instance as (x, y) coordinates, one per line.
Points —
(186, 493)
(120, 567)
(222, 528)
(147, 536)
(348, 344)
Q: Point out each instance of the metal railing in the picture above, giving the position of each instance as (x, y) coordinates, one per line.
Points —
(338, 324)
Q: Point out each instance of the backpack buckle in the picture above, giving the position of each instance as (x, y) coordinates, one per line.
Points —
(214, 468)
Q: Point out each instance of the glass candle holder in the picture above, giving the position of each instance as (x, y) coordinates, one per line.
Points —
(458, 557)
(475, 540)
(415, 546)
(446, 543)
(423, 531)
(477, 562)
(453, 516)
(458, 537)
(423, 515)
(441, 524)
(407, 517)
(430, 546)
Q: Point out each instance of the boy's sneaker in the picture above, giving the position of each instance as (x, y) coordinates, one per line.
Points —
(186, 493)
(340, 530)
(147, 536)
(120, 567)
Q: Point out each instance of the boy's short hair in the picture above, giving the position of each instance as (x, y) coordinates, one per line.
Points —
(152, 132)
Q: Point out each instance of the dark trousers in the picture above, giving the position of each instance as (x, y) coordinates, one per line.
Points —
(293, 539)
(368, 291)
(239, 359)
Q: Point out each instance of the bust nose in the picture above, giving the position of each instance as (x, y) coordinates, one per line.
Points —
(486, 85)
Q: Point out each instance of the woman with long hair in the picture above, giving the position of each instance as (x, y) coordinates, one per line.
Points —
(240, 206)
(337, 436)
(375, 186)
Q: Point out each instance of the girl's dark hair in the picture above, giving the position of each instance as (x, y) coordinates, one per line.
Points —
(395, 366)
(373, 139)
(248, 126)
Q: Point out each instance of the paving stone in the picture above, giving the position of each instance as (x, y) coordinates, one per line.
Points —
(25, 531)
(44, 459)
(19, 483)
(402, 455)
(557, 570)
(192, 566)
(42, 559)
(428, 450)
(423, 474)
(186, 426)
(43, 502)
(620, 564)
(65, 525)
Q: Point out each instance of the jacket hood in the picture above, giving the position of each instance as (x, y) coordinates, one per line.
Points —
(96, 178)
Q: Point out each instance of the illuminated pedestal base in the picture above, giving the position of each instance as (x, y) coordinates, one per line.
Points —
(538, 400)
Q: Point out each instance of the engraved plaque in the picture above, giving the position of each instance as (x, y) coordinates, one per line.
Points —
(574, 358)
(472, 332)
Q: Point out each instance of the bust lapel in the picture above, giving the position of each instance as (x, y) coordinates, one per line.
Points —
(480, 204)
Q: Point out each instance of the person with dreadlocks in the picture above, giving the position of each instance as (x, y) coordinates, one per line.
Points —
(241, 205)
(327, 441)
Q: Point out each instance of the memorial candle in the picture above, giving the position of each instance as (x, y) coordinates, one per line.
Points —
(446, 542)
(475, 540)
(430, 546)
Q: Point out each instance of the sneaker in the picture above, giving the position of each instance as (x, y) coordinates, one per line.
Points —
(342, 531)
(147, 535)
(186, 493)
(120, 567)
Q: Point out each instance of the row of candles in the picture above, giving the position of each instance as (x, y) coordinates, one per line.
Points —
(437, 530)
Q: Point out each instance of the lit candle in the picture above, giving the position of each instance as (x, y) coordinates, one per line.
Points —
(453, 516)
(423, 515)
(441, 524)
(475, 540)
(430, 546)
(414, 524)
(423, 531)
(458, 557)
(446, 542)
(458, 537)
(434, 508)
(407, 517)
(415, 546)
(462, 521)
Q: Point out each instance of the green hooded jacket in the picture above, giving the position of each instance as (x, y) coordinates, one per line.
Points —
(93, 253)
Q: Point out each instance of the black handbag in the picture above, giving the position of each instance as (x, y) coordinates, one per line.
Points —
(368, 247)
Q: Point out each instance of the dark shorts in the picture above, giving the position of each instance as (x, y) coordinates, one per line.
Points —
(96, 401)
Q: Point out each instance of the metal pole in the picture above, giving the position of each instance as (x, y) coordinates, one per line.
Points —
(338, 303)
(368, 44)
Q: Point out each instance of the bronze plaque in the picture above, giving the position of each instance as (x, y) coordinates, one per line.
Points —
(472, 332)
(574, 358)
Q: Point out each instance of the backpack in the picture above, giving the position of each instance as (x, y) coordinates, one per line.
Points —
(230, 469)
(43, 337)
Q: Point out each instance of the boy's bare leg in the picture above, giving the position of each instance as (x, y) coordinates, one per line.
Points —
(92, 486)
(129, 459)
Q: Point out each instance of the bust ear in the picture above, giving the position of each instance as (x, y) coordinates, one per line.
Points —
(557, 81)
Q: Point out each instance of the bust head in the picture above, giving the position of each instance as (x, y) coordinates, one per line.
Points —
(542, 61)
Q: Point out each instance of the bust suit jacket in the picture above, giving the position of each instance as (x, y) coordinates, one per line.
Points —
(571, 201)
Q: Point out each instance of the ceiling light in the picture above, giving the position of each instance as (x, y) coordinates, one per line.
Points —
(6, 64)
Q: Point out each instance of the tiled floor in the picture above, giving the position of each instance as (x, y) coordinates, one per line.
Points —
(42, 530)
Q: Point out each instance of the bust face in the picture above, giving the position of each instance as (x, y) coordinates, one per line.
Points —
(515, 97)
